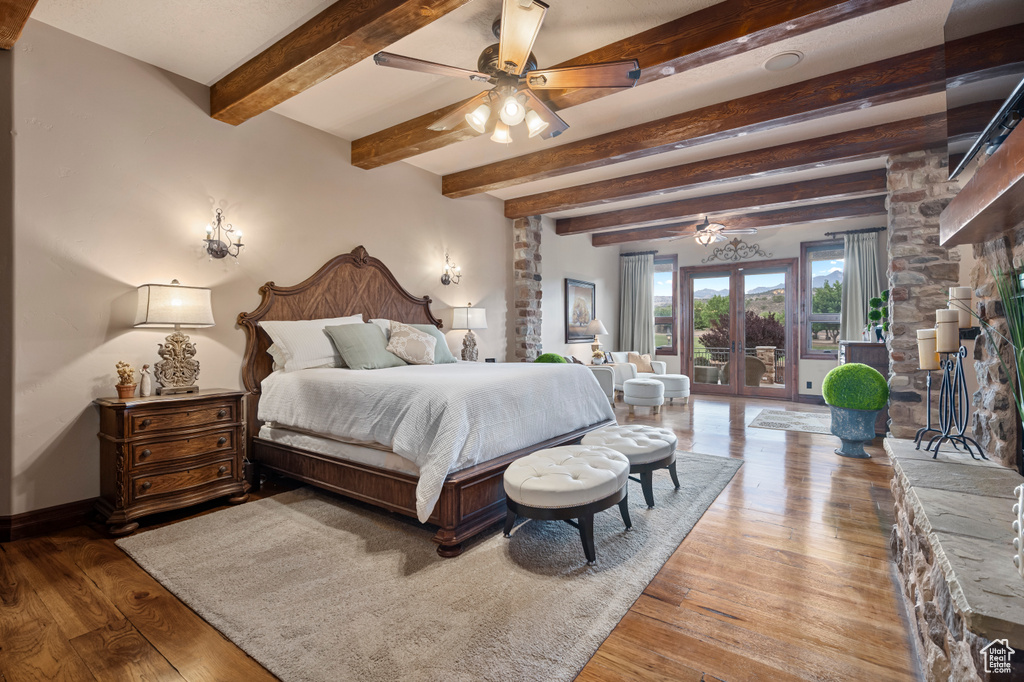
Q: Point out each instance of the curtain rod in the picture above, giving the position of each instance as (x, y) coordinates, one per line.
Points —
(639, 253)
(866, 230)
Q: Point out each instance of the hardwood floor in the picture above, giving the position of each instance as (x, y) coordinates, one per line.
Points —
(786, 577)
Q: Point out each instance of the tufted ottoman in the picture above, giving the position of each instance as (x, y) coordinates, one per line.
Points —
(565, 483)
(676, 386)
(648, 449)
(646, 392)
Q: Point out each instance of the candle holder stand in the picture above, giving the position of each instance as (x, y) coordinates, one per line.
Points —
(954, 403)
(927, 428)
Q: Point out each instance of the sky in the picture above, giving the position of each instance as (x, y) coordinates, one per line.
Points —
(824, 267)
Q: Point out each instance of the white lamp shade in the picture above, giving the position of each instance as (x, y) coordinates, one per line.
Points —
(469, 318)
(166, 305)
(596, 327)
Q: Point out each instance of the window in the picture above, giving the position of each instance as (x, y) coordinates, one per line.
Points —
(665, 304)
(821, 295)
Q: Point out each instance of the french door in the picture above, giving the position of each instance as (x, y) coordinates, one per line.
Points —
(739, 328)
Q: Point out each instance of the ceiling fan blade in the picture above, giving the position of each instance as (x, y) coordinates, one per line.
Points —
(458, 116)
(397, 61)
(742, 230)
(520, 24)
(610, 75)
(556, 126)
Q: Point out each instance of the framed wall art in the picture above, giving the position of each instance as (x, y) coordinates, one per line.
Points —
(579, 310)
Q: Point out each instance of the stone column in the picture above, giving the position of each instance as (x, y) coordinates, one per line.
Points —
(920, 274)
(526, 280)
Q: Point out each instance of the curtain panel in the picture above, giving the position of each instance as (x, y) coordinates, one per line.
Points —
(861, 283)
(636, 302)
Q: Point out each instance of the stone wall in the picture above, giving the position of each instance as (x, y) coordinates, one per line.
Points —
(994, 420)
(526, 280)
(920, 274)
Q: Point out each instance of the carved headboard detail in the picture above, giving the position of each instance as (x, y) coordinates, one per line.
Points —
(348, 284)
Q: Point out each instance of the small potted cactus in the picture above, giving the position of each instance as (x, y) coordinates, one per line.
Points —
(125, 380)
(854, 393)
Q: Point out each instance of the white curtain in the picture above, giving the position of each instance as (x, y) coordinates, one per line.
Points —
(636, 302)
(861, 283)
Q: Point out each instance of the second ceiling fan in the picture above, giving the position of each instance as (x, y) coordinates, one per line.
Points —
(510, 66)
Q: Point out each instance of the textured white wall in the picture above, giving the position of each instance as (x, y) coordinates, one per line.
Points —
(118, 169)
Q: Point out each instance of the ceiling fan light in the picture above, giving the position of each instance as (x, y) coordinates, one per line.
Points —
(705, 237)
(477, 119)
(502, 133)
(535, 124)
(512, 111)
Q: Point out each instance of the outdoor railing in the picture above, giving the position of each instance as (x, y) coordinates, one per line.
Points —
(716, 357)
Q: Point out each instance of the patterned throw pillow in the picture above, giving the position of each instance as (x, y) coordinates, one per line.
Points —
(412, 345)
(642, 362)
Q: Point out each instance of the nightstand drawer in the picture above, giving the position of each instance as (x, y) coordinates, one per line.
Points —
(158, 484)
(182, 448)
(181, 417)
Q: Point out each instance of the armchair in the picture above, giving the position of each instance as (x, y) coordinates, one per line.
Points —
(626, 370)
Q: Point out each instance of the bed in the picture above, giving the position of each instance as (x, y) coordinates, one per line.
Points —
(469, 499)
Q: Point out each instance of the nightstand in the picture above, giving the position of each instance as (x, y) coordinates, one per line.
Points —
(168, 452)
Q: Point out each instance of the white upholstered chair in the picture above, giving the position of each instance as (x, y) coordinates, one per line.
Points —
(625, 370)
(606, 378)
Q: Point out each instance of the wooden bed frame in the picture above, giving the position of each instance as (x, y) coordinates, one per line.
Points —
(472, 499)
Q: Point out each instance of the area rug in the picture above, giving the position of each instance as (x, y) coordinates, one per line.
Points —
(316, 588)
(785, 420)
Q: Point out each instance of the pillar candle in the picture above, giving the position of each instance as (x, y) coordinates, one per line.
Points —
(960, 301)
(927, 357)
(947, 332)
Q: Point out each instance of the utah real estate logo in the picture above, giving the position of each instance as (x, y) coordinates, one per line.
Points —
(997, 656)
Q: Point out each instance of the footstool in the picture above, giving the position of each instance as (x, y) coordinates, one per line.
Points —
(676, 386)
(648, 449)
(644, 392)
(566, 483)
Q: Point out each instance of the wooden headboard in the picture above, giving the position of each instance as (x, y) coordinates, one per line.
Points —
(348, 284)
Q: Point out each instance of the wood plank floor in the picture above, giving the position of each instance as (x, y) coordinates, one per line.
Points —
(786, 577)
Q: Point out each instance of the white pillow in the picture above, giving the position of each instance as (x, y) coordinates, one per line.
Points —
(303, 344)
(412, 345)
(384, 324)
(277, 356)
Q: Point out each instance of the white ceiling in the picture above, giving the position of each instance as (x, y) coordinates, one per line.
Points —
(206, 39)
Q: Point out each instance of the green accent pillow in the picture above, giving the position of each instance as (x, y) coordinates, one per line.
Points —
(363, 346)
(442, 355)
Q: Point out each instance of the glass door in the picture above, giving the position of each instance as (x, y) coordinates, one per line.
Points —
(709, 316)
(767, 331)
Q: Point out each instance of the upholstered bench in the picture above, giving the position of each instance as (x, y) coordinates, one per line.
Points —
(676, 386)
(648, 449)
(644, 392)
(566, 483)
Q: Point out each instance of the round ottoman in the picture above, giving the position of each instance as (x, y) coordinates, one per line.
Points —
(565, 483)
(645, 392)
(648, 449)
(676, 386)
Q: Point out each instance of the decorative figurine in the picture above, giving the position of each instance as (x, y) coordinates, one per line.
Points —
(145, 382)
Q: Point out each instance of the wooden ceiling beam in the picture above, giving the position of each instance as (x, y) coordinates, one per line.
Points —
(851, 186)
(865, 207)
(13, 17)
(864, 143)
(342, 35)
(703, 37)
(890, 80)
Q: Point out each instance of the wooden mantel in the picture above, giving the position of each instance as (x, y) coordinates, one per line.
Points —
(992, 202)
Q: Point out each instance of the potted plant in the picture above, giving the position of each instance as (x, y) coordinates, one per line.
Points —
(553, 358)
(125, 380)
(597, 358)
(879, 314)
(854, 393)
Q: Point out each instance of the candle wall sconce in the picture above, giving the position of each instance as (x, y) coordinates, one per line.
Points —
(452, 272)
(222, 239)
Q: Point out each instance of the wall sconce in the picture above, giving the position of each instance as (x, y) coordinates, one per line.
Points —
(219, 238)
(452, 272)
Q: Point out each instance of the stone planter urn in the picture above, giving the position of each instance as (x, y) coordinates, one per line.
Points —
(854, 393)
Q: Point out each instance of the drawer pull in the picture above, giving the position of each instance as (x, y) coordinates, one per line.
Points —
(222, 440)
(146, 485)
(144, 423)
(222, 414)
(144, 454)
(222, 471)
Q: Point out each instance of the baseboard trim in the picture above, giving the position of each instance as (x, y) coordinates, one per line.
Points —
(810, 399)
(41, 521)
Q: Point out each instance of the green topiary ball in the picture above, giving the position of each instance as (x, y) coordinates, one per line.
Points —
(855, 386)
(551, 357)
(875, 302)
(875, 315)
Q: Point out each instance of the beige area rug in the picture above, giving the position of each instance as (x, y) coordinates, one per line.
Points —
(316, 588)
(785, 420)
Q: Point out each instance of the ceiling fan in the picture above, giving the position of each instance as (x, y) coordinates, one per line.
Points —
(510, 66)
(708, 233)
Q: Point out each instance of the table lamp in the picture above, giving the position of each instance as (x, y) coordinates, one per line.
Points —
(172, 305)
(469, 318)
(596, 328)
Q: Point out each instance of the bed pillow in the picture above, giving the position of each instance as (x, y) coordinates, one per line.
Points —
(442, 354)
(412, 345)
(642, 362)
(278, 357)
(384, 324)
(303, 344)
(363, 346)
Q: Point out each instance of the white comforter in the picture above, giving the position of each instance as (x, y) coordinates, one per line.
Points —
(442, 417)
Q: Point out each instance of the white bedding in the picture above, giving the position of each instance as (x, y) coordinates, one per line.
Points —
(441, 417)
